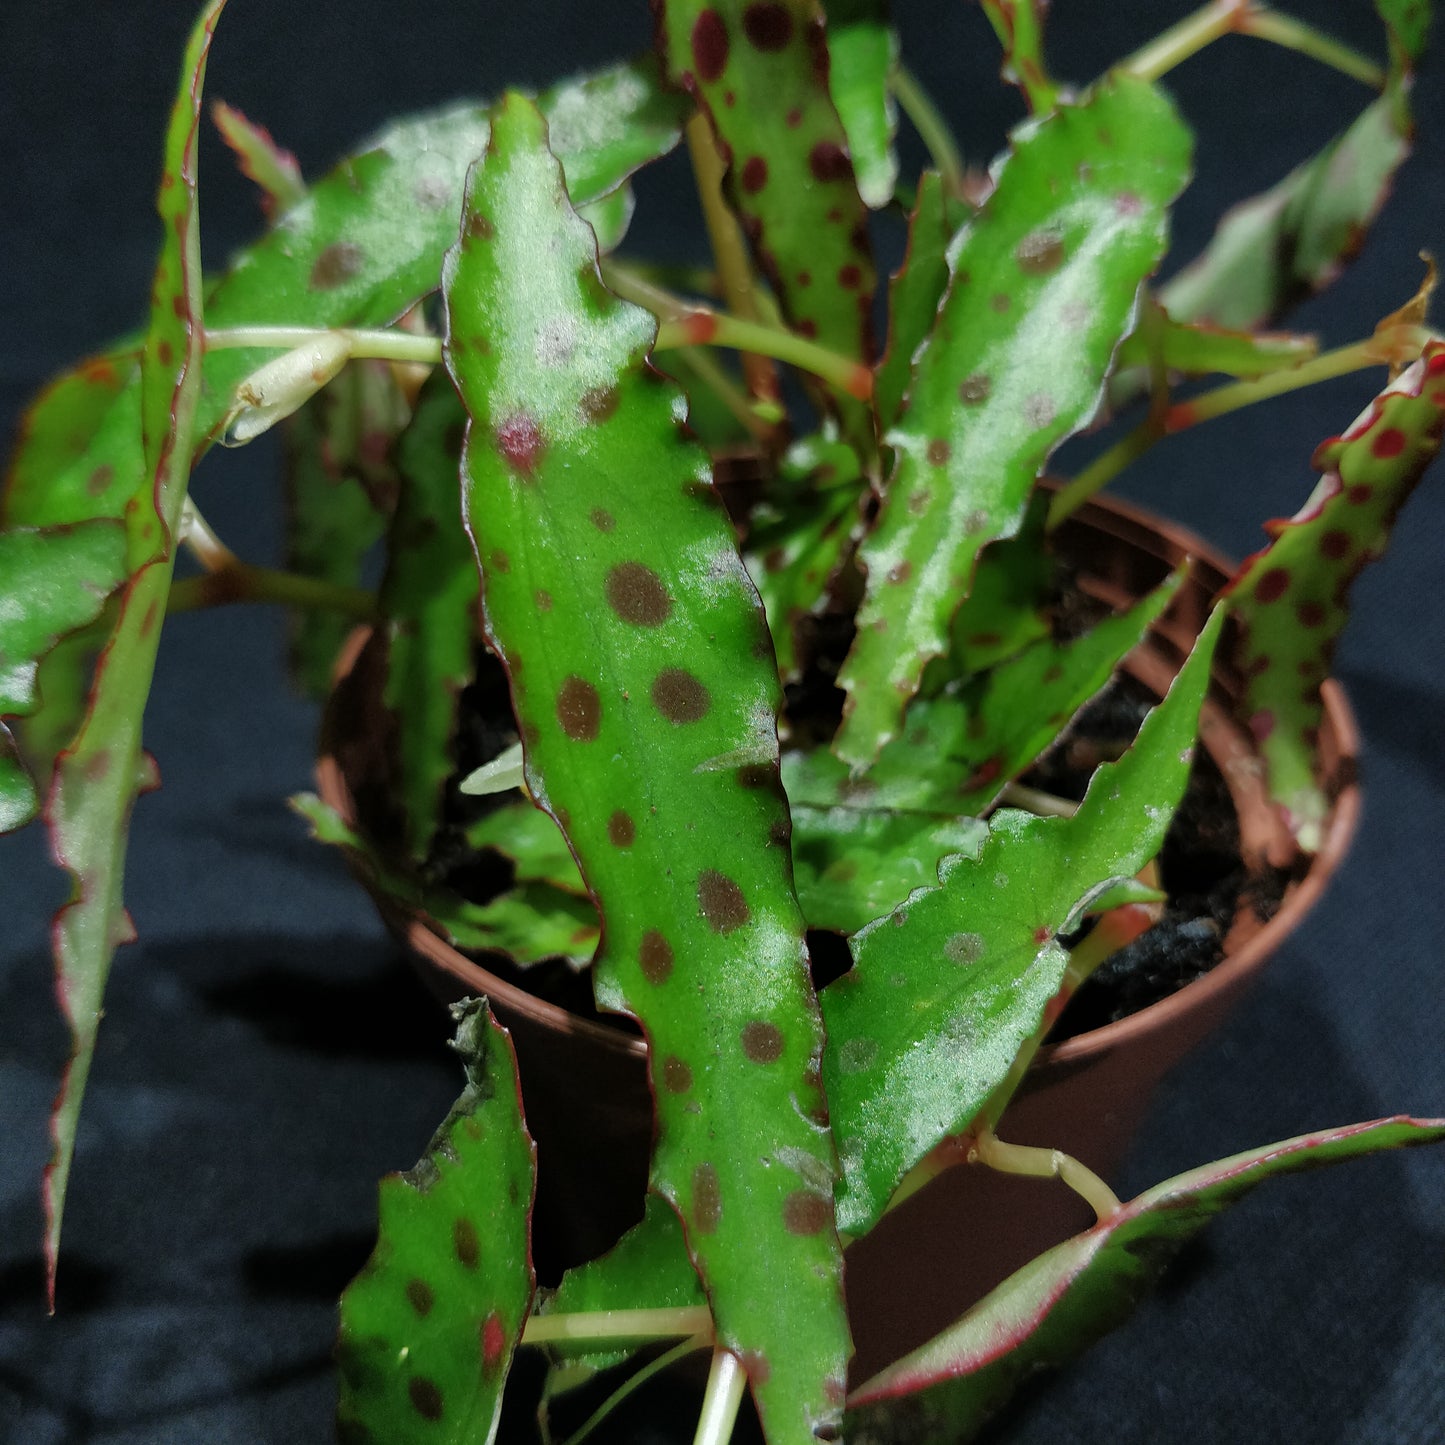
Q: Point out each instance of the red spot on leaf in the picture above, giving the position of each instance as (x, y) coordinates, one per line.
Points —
(1335, 545)
(850, 277)
(699, 327)
(1388, 443)
(1310, 614)
(1272, 585)
(754, 175)
(1262, 724)
(494, 1341)
(709, 45)
(768, 25)
(519, 439)
(828, 161)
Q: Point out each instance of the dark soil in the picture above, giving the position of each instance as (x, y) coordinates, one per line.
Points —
(1200, 863)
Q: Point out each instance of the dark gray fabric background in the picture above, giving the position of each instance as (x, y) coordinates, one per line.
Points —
(266, 1057)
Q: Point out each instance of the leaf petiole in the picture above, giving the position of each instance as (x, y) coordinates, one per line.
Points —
(635, 1382)
(725, 1384)
(932, 129)
(1038, 1163)
(607, 1326)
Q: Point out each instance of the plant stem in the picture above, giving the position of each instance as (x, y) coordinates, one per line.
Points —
(714, 328)
(729, 248)
(1188, 37)
(1295, 34)
(609, 1326)
(1036, 801)
(241, 582)
(932, 129)
(1037, 1163)
(634, 1382)
(380, 344)
(1243, 17)
(725, 1384)
(205, 546)
(710, 375)
(1380, 350)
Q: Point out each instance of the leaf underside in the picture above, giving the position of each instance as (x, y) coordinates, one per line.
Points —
(647, 701)
(1291, 599)
(1061, 1302)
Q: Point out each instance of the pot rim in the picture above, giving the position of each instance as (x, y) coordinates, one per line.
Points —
(1338, 722)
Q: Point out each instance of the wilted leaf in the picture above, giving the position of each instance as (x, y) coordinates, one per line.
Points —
(428, 1328)
(1063, 1301)
(647, 706)
(1291, 599)
(1044, 285)
(943, 993)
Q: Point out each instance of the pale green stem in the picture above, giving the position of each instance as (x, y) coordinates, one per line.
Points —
(201, 539)
(1036, 1163)
(712, 328)
(1296, 34)
(634, 1382)
(618, 1326)
(932, 129)
(1243, 17)
(710, 375)
(1187, 38)
(1384, 349)
(379, 344)
(725, 1385)
(245, 583)
(1036, 801)
(729, 248)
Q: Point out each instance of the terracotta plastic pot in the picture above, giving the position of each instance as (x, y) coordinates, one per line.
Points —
(584, 1080)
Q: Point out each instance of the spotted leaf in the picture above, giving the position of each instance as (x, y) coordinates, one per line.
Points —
(429, 1326)
(98, 776)
(53, 583)
(529, 923)
(647, 701)
(944, 992)
(1019, 25)
(863, 54)
(1043, 288)
(1276, 248)
(1059, 1304)
(915, 294)
(760, 70)
(1291, 599)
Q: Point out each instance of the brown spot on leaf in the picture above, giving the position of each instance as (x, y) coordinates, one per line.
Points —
(602, 519)
(706, 1199)
(679, 696)
(419, 1296)
(340, 262)
(974, 389)
(676, 1076)
(636, 594)
(1039, 253)
(599, 403)
(762, 1041)
(621, 830)
(709, 45)
(465, 1243)
(754, 175)
(426, 1398)
(654, 957)
(805, 1212)
(828, 161)
(939, 451)
(579, 709)
(768, 25)
(721, 901)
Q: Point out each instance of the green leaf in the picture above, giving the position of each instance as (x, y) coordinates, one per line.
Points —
(1066, 1299)
(1044, 285)
(532, 840)
(648, 1268)
(853, 865)
(1291, 599)
(1199, 348)
(943, 993)
(1007, 607)
(429, 599)
(341, 484)
(274, 170)
(429, 1327)
(798, 545)
(754, 68)
(529, 923)
(97, 778)
(862, 56)
(647, 702)
(53, 583)
(1019, 25)
(915, 294)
